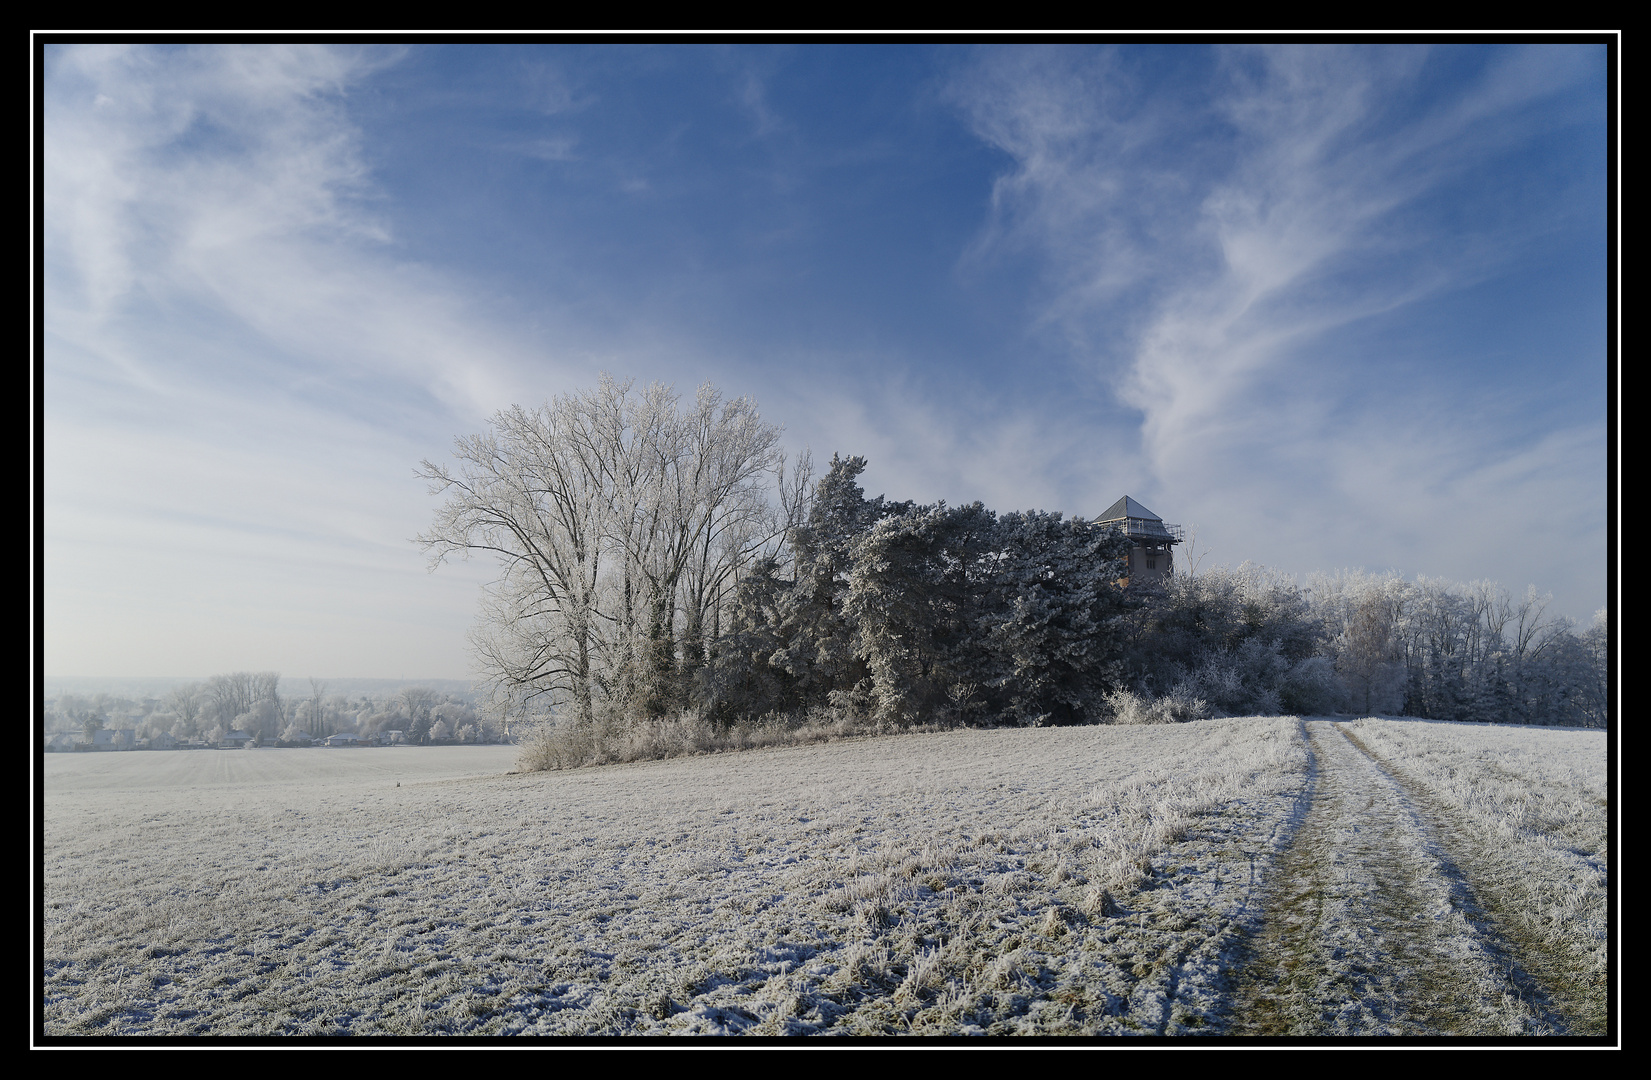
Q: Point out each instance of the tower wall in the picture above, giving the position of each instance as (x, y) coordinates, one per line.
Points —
(1151, 561)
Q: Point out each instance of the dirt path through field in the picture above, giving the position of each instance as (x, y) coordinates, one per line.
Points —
(1371, 928)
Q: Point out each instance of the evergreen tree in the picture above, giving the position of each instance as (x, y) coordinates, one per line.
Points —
(1056, 634)
(819, 654)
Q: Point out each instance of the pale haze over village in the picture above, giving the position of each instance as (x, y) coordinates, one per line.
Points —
(1324, 308)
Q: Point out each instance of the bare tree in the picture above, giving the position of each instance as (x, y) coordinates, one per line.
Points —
(186, 702)
(534, 493)
(230, 696)
(1596, 692)
(1192, 559)
(723, 516)
(318, 689)
(419, 702)
(1368, 649)
(612, 513)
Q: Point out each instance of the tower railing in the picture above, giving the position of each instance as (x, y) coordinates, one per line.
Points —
(1147, 529)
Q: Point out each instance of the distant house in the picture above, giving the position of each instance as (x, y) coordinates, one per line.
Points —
(235, 740)
(1152, 554)
(163, 741)
(62, 741)
(344, 738)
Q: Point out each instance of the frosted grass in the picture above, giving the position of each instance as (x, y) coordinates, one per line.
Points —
(1083, 880)
(1528, 811)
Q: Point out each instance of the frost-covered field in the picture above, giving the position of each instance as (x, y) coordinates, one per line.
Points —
(1080, 880)
(933, 883)
(1525, 810)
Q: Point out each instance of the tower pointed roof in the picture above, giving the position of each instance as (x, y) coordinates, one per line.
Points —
(1127, 507)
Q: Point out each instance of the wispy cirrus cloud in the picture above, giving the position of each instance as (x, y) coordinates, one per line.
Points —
(1211, 250)
(234, 349)
(155, 155)
(229, 184)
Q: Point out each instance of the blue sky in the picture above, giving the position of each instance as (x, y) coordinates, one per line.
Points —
(1333, 306)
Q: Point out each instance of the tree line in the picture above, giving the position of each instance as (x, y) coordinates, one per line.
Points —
(252, 702)
(660, 558)
(1252, 640)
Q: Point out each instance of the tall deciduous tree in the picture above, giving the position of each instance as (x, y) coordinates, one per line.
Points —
(534, 492)
(621, 521)
(233, 695)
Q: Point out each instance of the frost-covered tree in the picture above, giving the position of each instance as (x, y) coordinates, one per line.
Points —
(315, 713)
(187, 704)
(1455, 651)
(749, 673)
(1368, 658)
(1237, 639)
(534, 492)
(621, 521)
(1594, 697)
(814, 637)
(230, 696)
(1054, 624)
(918, 593)
(960, 613)
(819, 652)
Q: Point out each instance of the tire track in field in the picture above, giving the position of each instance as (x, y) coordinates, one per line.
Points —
(1369, 928)
(1563, 997)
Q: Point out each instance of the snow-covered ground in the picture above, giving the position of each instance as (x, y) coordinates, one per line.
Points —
(1080, 880)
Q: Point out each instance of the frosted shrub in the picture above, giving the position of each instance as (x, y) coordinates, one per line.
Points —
(678, 735)
(825, 722)
(1312, 689)
(566, 744)
(1240, 682)
(1128, 708)
(1176, 707)
(552, 745)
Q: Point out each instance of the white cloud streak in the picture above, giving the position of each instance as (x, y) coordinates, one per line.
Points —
(228, 183)
(1198, 255)
(235, 349)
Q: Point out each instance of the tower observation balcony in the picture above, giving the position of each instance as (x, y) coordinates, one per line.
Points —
(1147, 530)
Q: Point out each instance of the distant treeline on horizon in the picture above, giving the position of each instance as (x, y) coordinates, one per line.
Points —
(160, 685)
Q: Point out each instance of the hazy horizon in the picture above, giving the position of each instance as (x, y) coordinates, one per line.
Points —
(158, 685)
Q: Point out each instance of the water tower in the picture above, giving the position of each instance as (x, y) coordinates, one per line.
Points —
(1152, 550)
